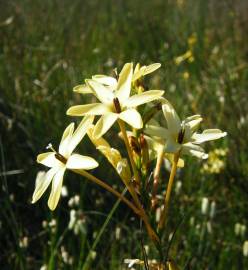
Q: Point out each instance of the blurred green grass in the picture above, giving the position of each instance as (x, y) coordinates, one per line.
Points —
(47, 47)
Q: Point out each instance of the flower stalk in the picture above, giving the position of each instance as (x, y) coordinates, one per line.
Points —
(168, 191)
(108, 188)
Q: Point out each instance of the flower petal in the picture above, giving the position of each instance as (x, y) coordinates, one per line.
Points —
(172, 146)
(195, 150)
(42, 183)
(56, 188)
(104, 94)
(151, 68)
(80, 132)
(143, 98)
(124, 82)
(193, 122)
(48, 159)
(77, 161)
(83, 89)
(138, 73)
(88, 109)
(157, 131)
(132, 117)
(208, 135)
(106, 80)
(104, 124)
(173, 120)
(66, 138)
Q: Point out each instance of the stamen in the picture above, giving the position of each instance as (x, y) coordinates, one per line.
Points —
(50, 146)
(117, 105)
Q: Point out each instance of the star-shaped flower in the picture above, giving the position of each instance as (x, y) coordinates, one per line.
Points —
(182, 136)
(116, 102)
(111, 82)
(59, 161)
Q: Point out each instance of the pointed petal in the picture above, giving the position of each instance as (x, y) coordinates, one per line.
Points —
(66, 138)
(138, 73)
(111, 154)
(42, 183)
(173, 120)
(132, 117)
(48, 159)
(157, 131)
(193, 122)
(195, 150)
(124, 83)
(77, 161)
(88, 109)
(106, 80)
(67, 133)
(151, 68)
(143, 98)
(80, 132)
(104, 124)
(56, 189)
(83, 89)
(208, 135)
(104, 94)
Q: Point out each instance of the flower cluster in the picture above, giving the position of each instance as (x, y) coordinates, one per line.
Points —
(125, 100)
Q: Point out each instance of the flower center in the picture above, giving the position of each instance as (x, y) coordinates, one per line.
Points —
(180, 136)
(58, 156)
(117, 105)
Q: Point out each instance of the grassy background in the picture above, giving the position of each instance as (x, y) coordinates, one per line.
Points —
(46, 48)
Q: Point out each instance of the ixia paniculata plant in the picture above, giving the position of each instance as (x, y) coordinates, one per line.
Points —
(124, 99)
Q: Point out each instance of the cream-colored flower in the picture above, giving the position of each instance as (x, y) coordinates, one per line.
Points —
(59, 161)
(116, 102)
(113, 156)
(182, 136)
(111, 82)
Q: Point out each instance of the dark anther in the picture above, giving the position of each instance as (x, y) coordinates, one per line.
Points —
(181, 136)
(61, 158)
(117, 105)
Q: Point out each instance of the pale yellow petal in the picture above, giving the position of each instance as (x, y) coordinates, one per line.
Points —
(88, 109)
(193, 122)
(48, 159)
(138, 73)
(77, 161)
(106, 80)
(83, 89)
(173, 121)
(151, 68)
(56, 189)
(132, 117)
(66, 138)
(143, 98)
(195, 150)
(124, 82)
(157, 131)
(104, 94)
(172, 146)
(104, 124)
(42, 183)
(208, 135)
(80, 132)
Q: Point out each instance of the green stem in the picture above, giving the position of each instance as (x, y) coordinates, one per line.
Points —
(87, 263)
(168, 191)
